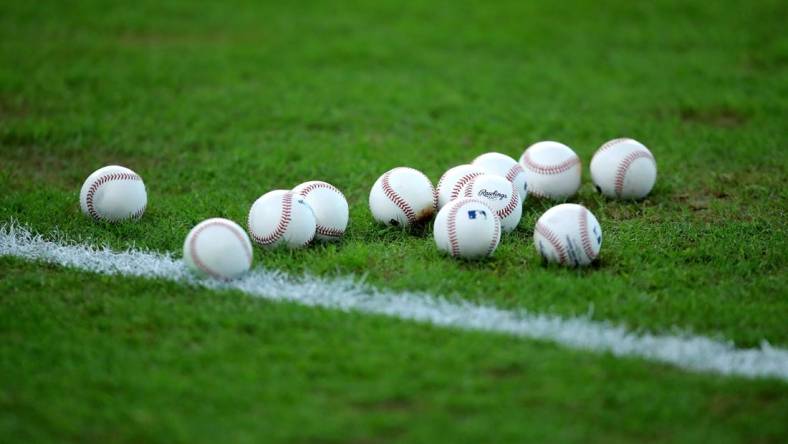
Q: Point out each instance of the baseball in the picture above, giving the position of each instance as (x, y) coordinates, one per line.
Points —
(467, 228)
(330, 208)
(504, 166)
(624, 169)
(552, 170)
(113, 194)
(500, 195)
(568, 234)
(451, 183)
(218, 248)
(402, 197)
(281, 217)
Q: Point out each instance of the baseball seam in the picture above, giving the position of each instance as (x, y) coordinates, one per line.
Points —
(469, 187)
(281, 227)
(549, 169)
(495, 238)
(196, 257)
(98, 183)
(396, 199)
(440, 182)
(322, 229)
(553, 240)
(585, 240)
(509, 208)
(454, 243)
(138, 214)
(434, 191)
(310, 239)
(514, 171)
(611, 143)
(460, 183)
(623, 167)
(536, 193)
(328, 231)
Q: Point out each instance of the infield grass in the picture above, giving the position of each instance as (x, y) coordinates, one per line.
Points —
(214, 104)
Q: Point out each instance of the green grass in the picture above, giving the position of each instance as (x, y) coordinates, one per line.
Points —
(148, 361)
(214, 104)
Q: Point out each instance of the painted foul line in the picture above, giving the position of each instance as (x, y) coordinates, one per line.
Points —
(696, 353)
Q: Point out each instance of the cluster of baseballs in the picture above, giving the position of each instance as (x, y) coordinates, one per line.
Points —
(290, 218)
(219, 247)
(620, 169)
(476, 202)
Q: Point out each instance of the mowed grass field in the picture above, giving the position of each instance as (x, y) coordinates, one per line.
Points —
(215, 103)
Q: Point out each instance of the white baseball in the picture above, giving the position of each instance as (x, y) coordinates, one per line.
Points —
(504, 166)
(280, 217)
(467, 228)
(330, 208)
(500, 195)
(451, 183)
(624, 169)
(552, 170)
(402, 197)
(113, 194)
(218, 248)
(568, 234)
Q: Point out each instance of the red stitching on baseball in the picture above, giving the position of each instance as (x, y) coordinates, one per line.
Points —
(469, 186)
(514, 171)
(454, 244)
(549, 169)
(585, 240)
(537, 193)
(623, 167)
(495, 239)
(553, 239)
(306, 242)
(196, 258)
(461, 182)
(98, 183)
(322, 229)
(440, 182)
(281, 227)
(611, 143)
(317, 185)
(397, 199)
(513, 202)
(138, 214)
(434, 191)
(328, 231)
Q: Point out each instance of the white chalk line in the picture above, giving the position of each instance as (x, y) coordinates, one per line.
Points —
(689, 352)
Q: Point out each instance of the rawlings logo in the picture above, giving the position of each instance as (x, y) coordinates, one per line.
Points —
(493, 195)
